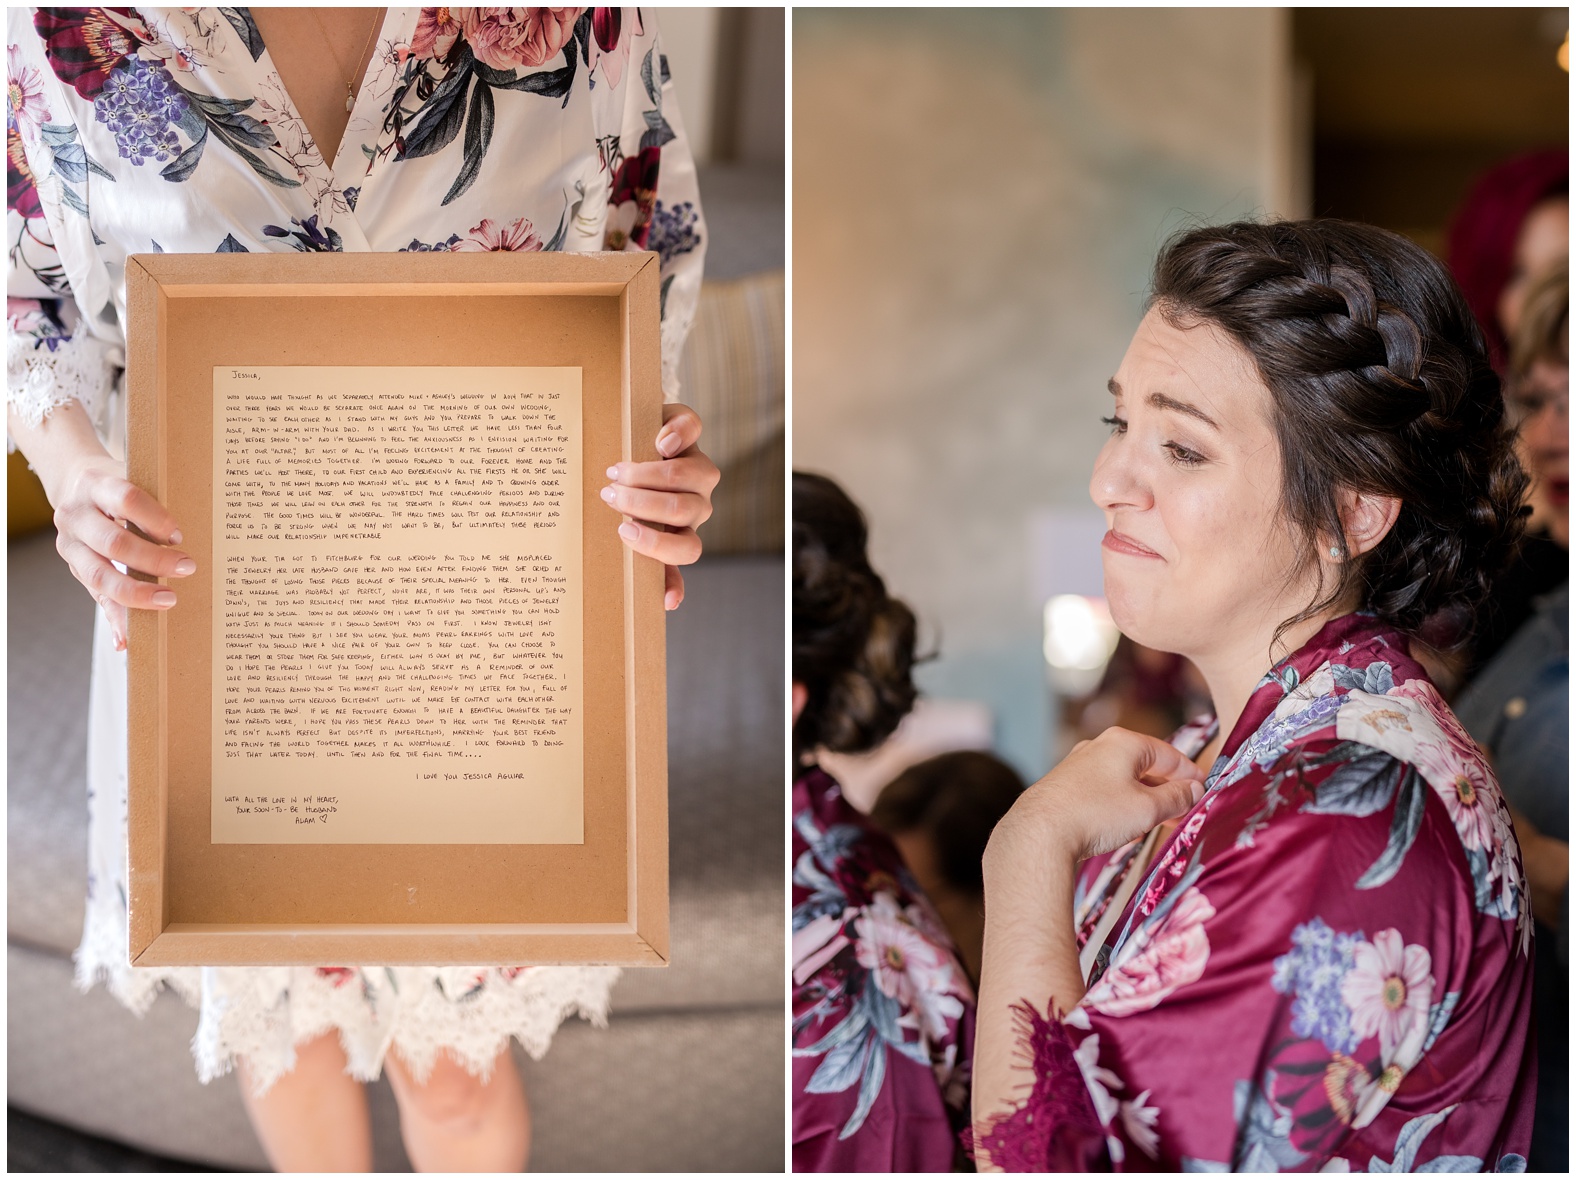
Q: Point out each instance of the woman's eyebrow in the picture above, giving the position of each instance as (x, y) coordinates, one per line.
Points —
(1164, 401)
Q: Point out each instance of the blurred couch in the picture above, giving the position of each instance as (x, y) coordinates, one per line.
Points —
(689, 1074)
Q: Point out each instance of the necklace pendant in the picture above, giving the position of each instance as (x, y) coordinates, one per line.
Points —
(350, 98)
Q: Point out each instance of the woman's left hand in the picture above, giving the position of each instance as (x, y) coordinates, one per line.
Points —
(667, 499)
(1103, 794)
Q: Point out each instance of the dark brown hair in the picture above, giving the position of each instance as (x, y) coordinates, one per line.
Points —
(853, 646)
(1380, 384)
(957, 799)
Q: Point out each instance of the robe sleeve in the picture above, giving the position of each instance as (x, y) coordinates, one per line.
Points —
(655, 202)
(53, 353)
(883, 1014)
(1285, 1001)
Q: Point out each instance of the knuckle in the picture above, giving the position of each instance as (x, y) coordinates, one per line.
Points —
(117, 545)
(124, 499)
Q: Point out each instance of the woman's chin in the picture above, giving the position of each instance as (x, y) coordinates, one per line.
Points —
(1131, 619)
(1141, 620)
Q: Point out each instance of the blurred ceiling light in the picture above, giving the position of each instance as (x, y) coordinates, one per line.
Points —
(1079, 640)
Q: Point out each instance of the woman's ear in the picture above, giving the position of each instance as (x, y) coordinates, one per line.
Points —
(801, 698)
(1366, 518)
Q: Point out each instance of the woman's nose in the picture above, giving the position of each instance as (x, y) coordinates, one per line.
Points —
(1117, 481)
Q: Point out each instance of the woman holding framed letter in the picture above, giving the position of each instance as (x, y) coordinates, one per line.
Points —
(195, 131)
(1298, 936)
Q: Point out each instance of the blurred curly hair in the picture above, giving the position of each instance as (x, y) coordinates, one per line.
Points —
(853, 645)
(1380, 384)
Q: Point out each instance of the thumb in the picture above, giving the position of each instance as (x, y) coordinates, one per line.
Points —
(116, 614)
(1176, 797)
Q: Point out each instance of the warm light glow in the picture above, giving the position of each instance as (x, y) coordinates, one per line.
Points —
(1079, 633)
(1564, 55)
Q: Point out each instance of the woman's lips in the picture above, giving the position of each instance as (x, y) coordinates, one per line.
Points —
(1117, 543)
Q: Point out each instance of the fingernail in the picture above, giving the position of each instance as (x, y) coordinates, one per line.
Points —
(670, 444)
(120, 643)
(609, 495)
(629, 530)
(185, 566)
(164, 598)
(671, 600)
(175, 537)
(612, 472)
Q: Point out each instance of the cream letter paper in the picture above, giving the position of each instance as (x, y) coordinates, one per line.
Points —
(397, 638)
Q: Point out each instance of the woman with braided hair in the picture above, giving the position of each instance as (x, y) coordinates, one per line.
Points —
(1298, 936)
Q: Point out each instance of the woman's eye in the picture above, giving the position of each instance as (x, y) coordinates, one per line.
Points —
(1182, 456)
(1117, 425)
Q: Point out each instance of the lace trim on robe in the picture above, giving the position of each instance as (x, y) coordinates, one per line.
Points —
(1056, 1128)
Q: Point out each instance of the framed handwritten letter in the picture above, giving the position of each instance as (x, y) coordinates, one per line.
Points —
(411, 708)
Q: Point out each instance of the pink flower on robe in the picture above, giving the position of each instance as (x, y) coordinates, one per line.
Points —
(1459, 777)
(816, 944)
(906, 965)
(489, 235)
(25, 106)
(610, 42)
(1156, 961)
(508, 38)
(436, 31)
(1388, 991)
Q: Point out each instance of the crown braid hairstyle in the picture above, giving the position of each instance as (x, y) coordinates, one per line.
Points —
(1380, 383)
(853, 646)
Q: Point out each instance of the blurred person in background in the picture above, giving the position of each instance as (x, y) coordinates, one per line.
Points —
(1144, 690)
(1519, 705)
(1296, 938)
(883, 1012)
(1511, 230)
(940, 813)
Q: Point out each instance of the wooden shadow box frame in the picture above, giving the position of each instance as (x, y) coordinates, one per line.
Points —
(194, 902)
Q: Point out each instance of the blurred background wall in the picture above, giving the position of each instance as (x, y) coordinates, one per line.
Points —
(1408, 105)
(977, 199)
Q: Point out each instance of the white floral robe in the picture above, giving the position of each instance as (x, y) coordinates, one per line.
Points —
(168, 130)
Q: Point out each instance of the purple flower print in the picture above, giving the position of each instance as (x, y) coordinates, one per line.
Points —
(673, 230)
(139, 104)
(1312, 972)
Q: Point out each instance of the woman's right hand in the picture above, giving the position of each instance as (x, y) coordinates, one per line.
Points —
(94, 502)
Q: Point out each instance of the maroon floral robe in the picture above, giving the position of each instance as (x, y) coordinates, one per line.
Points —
(883, 1014)
(1326, 969)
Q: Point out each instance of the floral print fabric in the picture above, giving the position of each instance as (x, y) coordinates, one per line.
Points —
(1326, 969)
(144, 130)
(883, 1014)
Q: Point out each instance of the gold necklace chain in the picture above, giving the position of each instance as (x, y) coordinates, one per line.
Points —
(350, 77)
